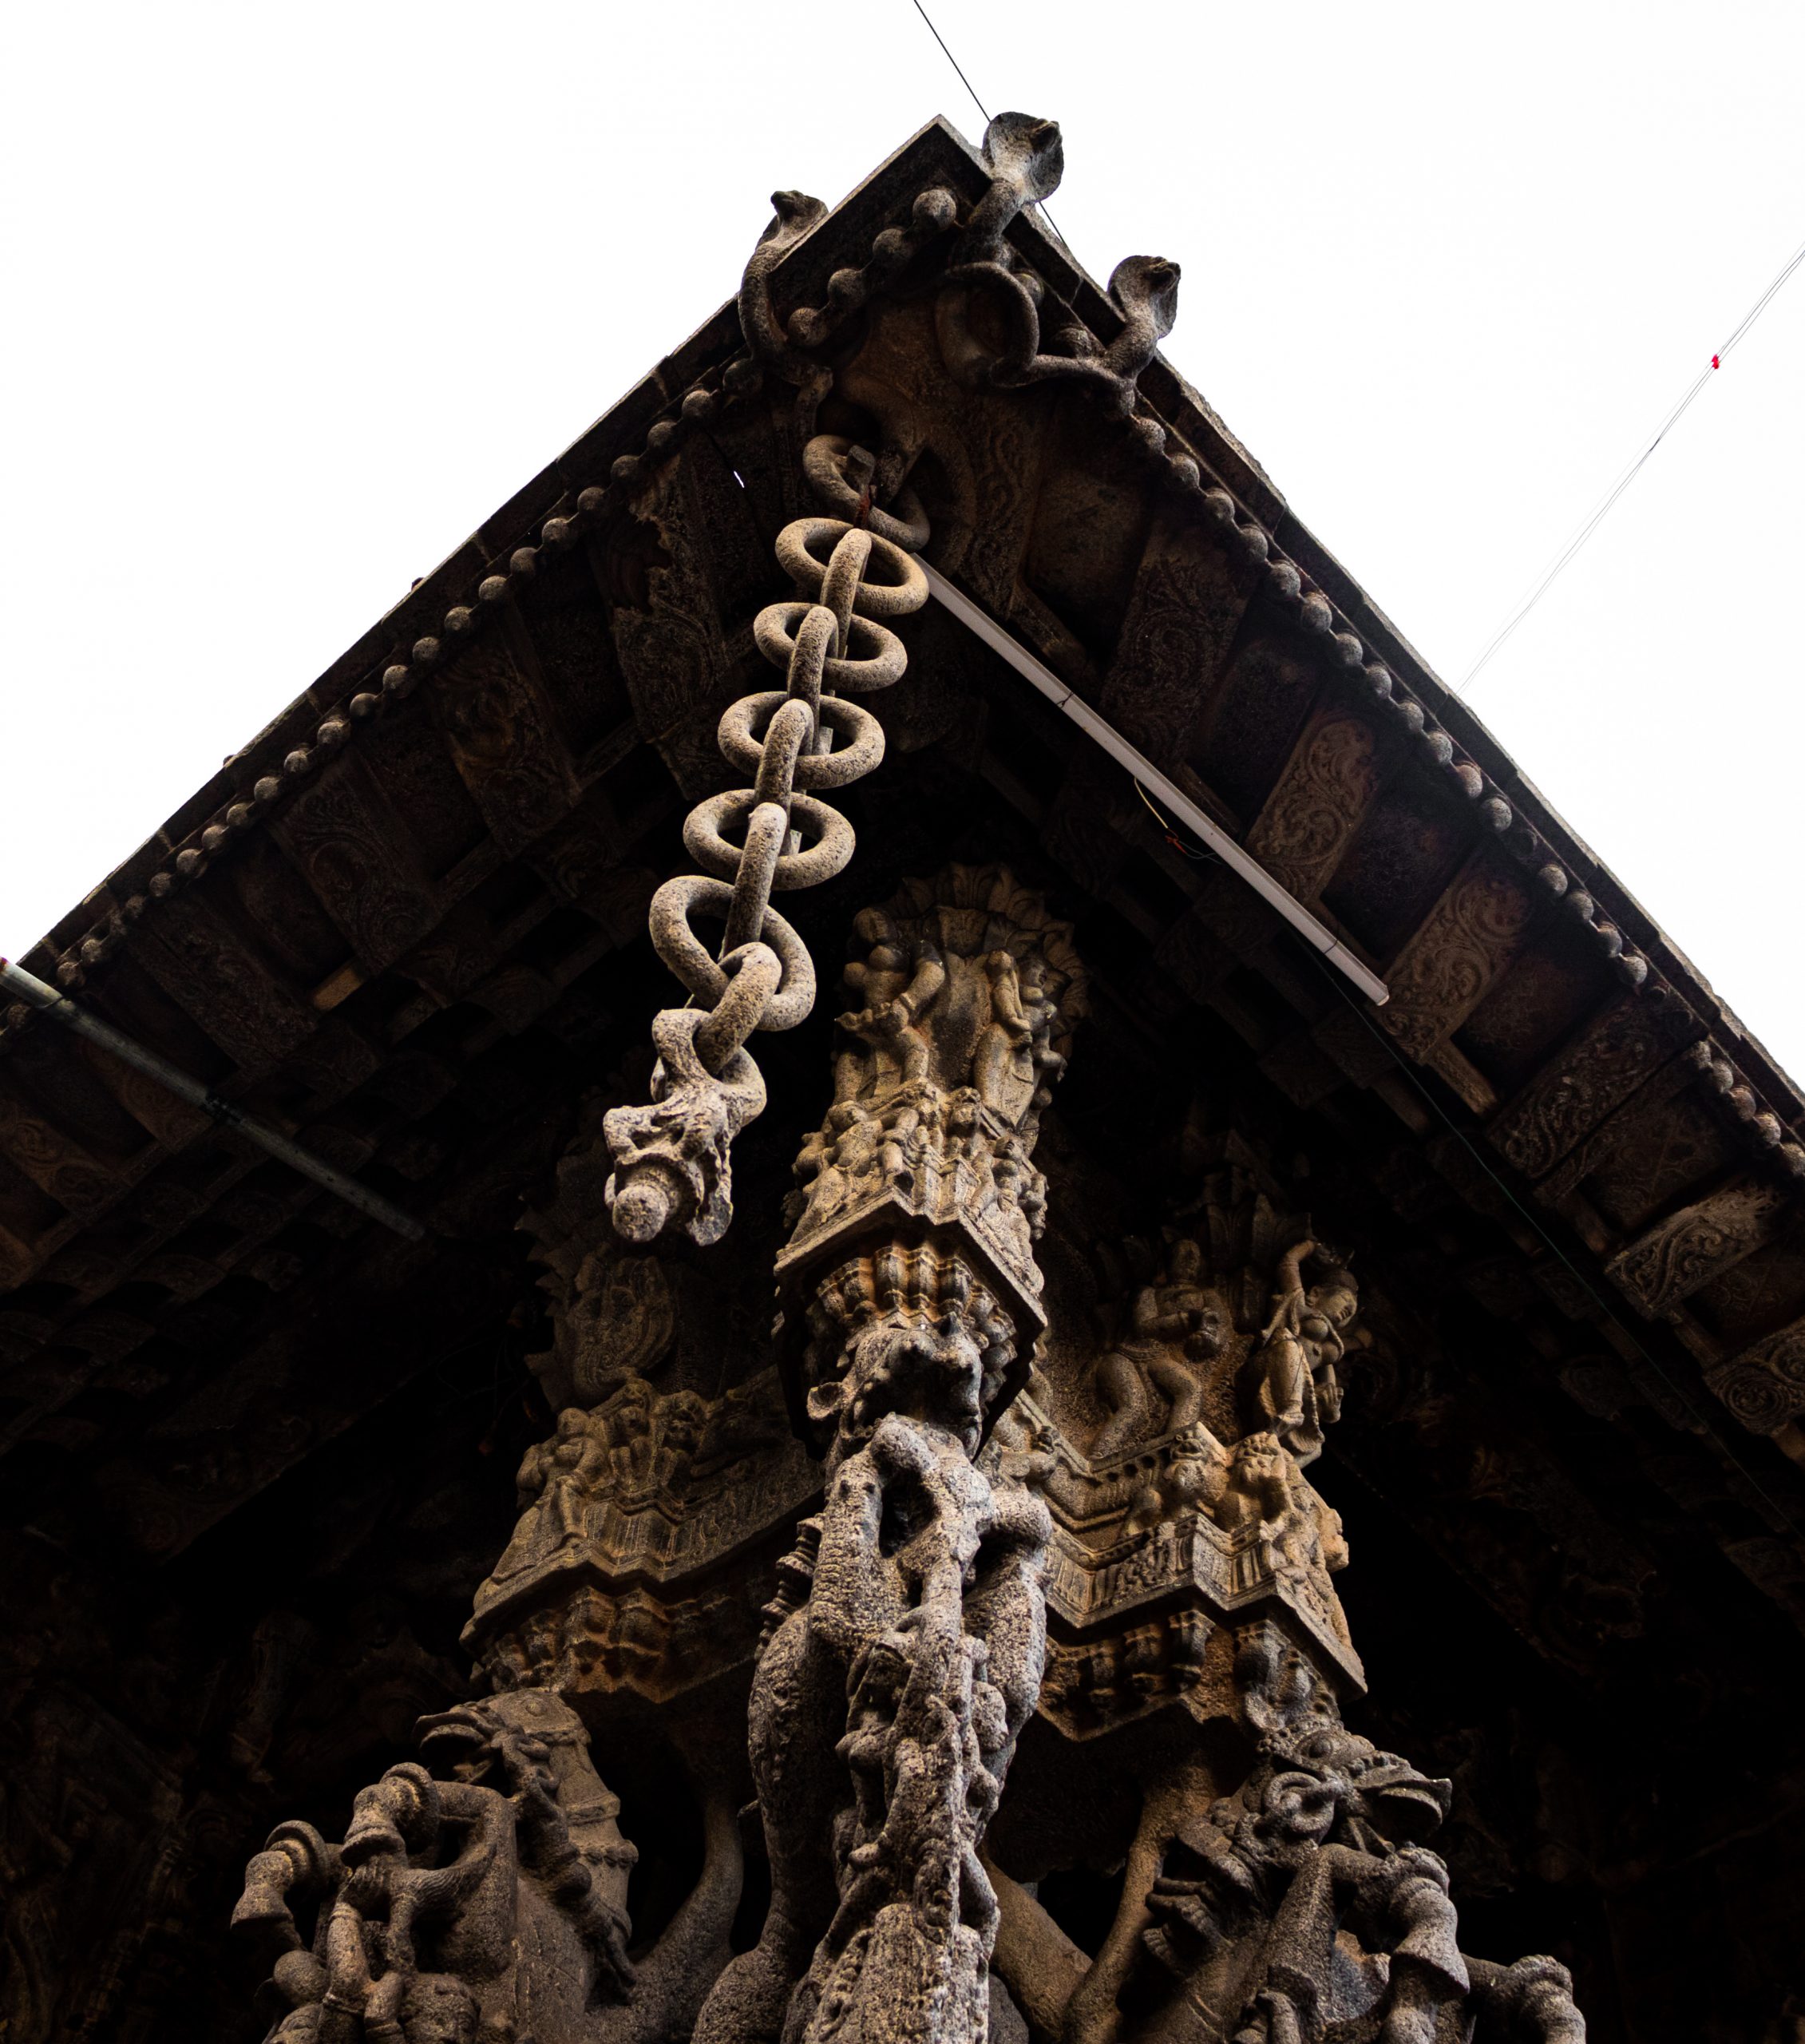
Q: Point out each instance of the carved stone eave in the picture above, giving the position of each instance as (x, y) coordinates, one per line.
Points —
(663, 1594)
(663, 1563)
(576, 1628)
(1139, 1618)
(1229, 1574)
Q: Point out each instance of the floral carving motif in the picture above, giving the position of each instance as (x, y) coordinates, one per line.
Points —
(1681, 1253)
(1600, 1070)
(1457, 952)
(1299, 837)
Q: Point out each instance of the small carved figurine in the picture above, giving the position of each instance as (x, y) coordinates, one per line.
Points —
(1295, 1379)
(555, 1483)
(897, 980)
(1178, 1324)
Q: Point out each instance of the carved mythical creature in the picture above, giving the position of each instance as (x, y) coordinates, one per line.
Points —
(1026, 158)
(925, 1611)
(673, 1157)
(1303, 1909)
(505, 1844)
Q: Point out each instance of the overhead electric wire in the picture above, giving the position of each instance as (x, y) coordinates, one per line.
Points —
(1596, 518)
(975, 101)
(954, 62)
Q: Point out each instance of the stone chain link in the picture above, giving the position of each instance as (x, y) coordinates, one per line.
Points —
(774, 836)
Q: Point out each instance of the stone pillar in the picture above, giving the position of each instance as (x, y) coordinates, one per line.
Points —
(909, 1637)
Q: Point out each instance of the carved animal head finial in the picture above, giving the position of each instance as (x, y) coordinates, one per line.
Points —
(1329, 1782)
(795, 215)
(1025, 156)
(1027, 151)
(1146, 288)
(673, 1157)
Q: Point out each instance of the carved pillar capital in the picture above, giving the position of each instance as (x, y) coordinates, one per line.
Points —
(909, 1279)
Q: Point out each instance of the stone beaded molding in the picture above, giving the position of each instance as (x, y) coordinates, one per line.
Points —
(933, 213)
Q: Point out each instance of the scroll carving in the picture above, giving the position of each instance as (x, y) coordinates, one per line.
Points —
(1462, 946)
(1301, 834)
(1684, 1251)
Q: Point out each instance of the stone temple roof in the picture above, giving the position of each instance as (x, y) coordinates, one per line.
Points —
(408, 918)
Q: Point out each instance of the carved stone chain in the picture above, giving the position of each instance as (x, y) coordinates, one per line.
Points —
(671, 1157)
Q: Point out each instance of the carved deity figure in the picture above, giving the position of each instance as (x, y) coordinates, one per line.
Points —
(1178, 1324)
(1294, 1376)
(895, 982)
(627, 1452)
(962, 994)
(555, 1484)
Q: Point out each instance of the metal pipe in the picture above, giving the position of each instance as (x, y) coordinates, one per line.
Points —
(1104, 733)
(61, 1008)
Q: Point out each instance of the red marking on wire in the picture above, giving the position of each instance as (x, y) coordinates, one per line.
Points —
(1629, 474)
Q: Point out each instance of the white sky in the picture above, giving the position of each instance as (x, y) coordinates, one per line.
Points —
(296, 296)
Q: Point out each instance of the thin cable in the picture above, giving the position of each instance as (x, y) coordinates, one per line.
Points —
(1629, 474)
(1196, 853)
(954, 62)
(1585, 1284)
(975, 101)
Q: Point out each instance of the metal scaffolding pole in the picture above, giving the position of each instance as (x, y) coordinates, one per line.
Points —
(61, 1008)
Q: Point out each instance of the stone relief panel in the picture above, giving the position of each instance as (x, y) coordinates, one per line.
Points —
(1168, 1427)
(962, 994)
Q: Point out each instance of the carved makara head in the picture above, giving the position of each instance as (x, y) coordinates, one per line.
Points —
(908, 1330)
(1327, 1783)
(510, 1736)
